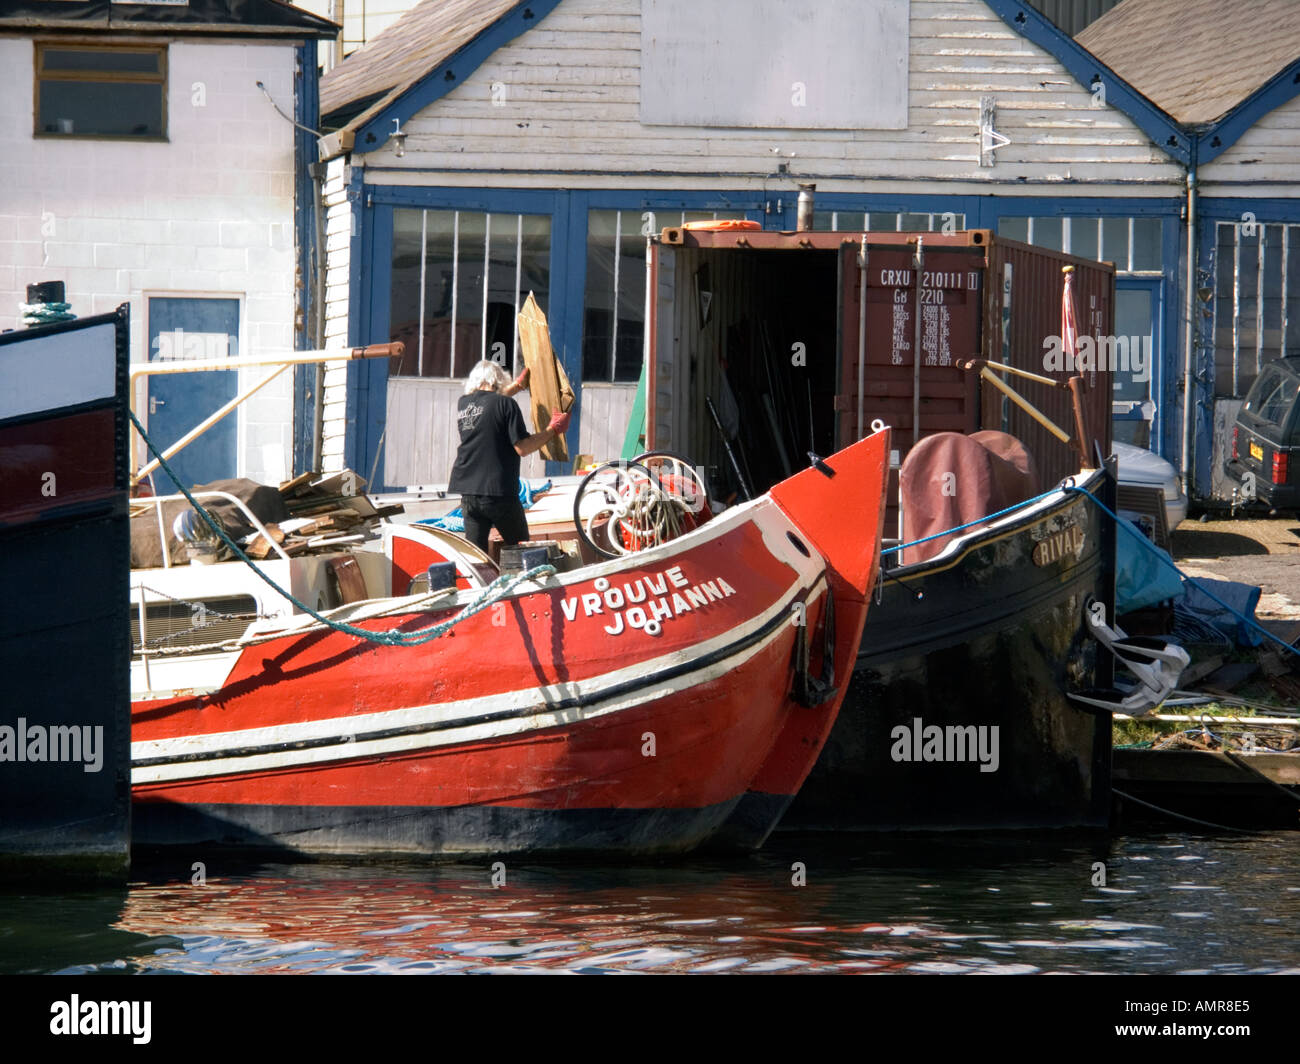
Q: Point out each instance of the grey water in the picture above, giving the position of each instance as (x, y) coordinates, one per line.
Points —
(1131, 904)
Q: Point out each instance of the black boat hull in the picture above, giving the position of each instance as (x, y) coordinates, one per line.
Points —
(65, 737)
(991, 638)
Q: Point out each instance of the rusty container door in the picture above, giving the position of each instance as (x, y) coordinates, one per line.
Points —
(948, 288)
(1022, 315)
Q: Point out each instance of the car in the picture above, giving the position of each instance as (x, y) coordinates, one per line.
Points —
(1141, 468)
(1266, 437)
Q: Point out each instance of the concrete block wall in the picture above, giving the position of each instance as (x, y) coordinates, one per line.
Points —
(209, 212)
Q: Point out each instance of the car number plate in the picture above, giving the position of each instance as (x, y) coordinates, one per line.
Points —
(1257, 452)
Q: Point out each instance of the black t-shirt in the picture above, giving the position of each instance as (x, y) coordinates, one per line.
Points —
(487, 464)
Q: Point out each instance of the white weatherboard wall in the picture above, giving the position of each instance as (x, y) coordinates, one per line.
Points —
(338, 261)
(207, 213)
(570, 110)
(1266, 155)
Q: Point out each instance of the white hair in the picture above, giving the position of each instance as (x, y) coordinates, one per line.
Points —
(487, 373)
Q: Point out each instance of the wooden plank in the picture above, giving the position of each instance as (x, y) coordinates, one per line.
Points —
(548, 384)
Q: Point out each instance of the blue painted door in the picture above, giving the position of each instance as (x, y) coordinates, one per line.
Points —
(191, 328)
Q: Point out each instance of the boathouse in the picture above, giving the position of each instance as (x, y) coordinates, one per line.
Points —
(151, 158)
(479, 151)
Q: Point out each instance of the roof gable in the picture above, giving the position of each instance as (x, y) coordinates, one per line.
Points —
(1245, 46)
(1089, 70)
(404, 53)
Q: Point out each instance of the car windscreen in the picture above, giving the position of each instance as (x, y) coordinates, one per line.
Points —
(1273, 395)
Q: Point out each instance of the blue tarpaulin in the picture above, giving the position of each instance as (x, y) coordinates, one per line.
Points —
(455, 520)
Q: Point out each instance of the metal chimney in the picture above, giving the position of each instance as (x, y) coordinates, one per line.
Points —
(804, 217)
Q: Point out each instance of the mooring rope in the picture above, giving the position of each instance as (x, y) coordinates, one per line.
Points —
(498, 589)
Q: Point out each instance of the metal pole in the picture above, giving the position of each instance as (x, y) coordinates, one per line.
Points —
(1190, 328)
(916, 352)
(862, 331)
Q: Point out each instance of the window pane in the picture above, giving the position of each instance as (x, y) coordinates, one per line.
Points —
(1083, 237)
(1146, 244)
(908, 223)
(1134, 335)
(1049, 233)
(1114, 242)
(1014, 229)
(453, 337)
(1271, 292)
(1223, 312)
(1247, 311)
(881, 221)
(614, 322)
(1293, 290)
(102, 60)
(104, 108)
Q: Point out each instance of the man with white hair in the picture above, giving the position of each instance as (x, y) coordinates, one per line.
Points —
(493, 437)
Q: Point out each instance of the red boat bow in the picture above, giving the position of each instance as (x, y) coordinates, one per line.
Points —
(647, 704)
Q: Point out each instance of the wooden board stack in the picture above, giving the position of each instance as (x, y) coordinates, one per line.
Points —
(326, 511)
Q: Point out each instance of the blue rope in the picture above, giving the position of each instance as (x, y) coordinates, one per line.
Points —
(971, 524)
(495, 590)
(1128, 526)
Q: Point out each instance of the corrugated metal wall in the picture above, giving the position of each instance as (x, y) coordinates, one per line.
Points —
(1035, 313)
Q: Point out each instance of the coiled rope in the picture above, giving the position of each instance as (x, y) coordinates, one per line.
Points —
(498, 589)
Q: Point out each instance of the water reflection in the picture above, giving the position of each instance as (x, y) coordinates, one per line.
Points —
(1168, 903)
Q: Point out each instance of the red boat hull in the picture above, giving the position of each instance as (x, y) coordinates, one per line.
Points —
(556, 720)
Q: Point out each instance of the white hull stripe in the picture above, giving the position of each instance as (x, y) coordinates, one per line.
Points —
(431, 726)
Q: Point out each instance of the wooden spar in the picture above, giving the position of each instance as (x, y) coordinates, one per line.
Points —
(205, 365)
(548, 384)
(203, 426)
(1025, 405)
(292, 358)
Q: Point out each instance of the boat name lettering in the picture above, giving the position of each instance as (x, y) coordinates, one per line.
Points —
(1059, 544)
(663, 595)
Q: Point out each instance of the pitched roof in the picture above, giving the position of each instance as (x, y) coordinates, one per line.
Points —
(232, 18)
(1196, 59)
(405, 52)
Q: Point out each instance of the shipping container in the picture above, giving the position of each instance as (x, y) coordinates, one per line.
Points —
(801, 340)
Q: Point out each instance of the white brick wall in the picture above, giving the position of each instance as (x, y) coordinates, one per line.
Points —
(210, 212)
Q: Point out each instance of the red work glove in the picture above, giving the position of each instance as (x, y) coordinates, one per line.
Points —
(559, 423)
(521, 382)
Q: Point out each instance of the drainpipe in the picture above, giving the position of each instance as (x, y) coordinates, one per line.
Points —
(1189, 340)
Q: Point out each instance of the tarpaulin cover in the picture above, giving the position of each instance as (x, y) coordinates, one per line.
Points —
(949, 479)
(1144, 574)
(454, 521)
(1242, 598)
(264, 501)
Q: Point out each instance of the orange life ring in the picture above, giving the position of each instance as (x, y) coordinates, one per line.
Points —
(722, 224)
